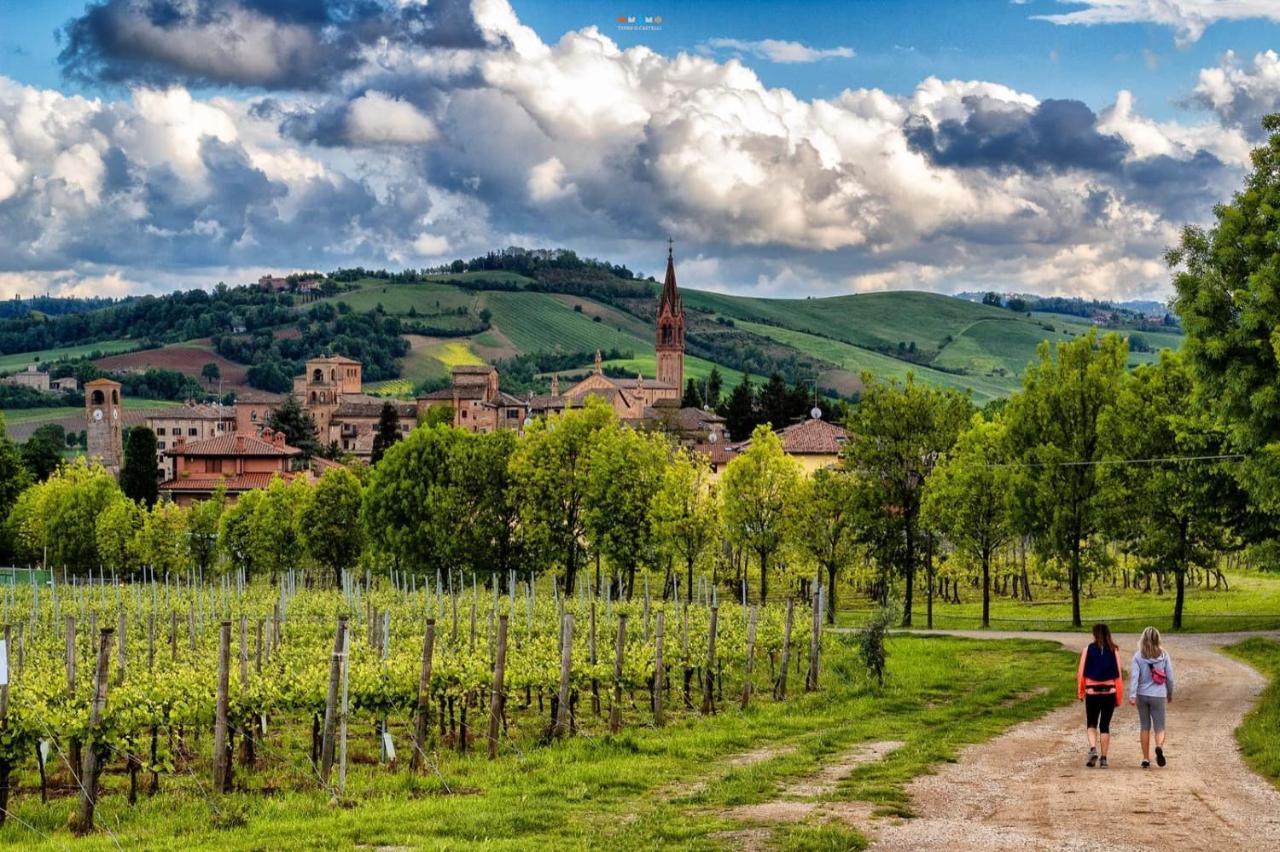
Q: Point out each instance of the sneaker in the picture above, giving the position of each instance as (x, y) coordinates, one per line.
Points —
(1102, 763)
(1146, 764)
(1093, 758)
(1160, 761)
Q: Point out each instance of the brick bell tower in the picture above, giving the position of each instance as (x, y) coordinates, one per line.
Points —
(103, 426)
(671, 329)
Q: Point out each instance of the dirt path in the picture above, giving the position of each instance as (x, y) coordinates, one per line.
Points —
(1029, 788)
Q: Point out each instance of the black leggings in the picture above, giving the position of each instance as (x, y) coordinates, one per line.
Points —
(1098, 709)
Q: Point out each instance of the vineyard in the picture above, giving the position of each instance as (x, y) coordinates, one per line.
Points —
(250, 686)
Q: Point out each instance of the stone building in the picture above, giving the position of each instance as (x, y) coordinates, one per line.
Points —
(252, 409)
(234, 461)
(188, 422)
(30, 377)
(324, 384)
(103, 425)
(478, 404)
(355, 422)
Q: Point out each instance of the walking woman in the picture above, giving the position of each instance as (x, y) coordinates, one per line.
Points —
(1151, 687)
(1100, 687)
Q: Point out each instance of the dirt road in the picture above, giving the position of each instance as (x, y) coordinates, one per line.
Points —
(1029, 788)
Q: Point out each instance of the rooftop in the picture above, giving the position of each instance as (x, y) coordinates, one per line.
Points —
(236, 444)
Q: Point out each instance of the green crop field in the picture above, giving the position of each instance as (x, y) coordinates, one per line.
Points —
(425, 299)
(694, 368)
(533, 322)
(14, 363)
(1004, 345)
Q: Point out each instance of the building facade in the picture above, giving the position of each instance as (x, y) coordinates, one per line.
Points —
(188, 422)
(324, 384)
(252, 409)
(233, 461)
(478, 404)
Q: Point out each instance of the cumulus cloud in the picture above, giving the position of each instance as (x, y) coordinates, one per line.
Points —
(1188, 18)
(1240, 93)
(410, 154)
(782, 52)
(294, 45)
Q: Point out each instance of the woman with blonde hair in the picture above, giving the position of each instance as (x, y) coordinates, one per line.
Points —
(1099, 686)
(1150, 689)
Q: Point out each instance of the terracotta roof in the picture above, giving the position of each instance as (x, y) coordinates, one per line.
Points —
(194, 411)
(813, 437)
(462, 391)
(210, 482)
(257, 397)
(233, 444)
(717, 453)
(364, 405)
(653, 384)
(93, 382)
(476, 369)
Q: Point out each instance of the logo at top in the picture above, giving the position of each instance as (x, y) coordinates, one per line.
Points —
(639, 22)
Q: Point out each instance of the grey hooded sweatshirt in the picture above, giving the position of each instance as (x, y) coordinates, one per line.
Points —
(1140, 680)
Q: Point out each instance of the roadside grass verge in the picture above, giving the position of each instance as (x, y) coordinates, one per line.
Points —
(641, 789)
(1258, 733)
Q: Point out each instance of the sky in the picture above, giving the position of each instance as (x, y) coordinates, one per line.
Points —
(789, 149)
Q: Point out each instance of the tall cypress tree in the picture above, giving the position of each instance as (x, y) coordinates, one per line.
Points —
(739, 410)
(692, 399)
(388, 431)
(138, 473)
(715, 385)
(296, 424)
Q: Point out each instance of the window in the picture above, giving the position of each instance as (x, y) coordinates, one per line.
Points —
(192, 431)
(253, 416)
(159, 430)
(513, 413)
(160, 444)
(464, 414)
(213, 465)
(317, 375)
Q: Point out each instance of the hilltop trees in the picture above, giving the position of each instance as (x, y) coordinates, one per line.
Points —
(902, 431)
(758, 489)
(1056, 429)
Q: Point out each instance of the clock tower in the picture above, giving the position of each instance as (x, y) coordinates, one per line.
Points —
(103, 423)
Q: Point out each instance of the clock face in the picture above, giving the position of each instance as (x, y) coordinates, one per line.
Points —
(97, 414)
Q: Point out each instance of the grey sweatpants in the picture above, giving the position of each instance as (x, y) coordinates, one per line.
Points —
(1151, 713)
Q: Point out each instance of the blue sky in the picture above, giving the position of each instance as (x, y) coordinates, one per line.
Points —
(925, 144)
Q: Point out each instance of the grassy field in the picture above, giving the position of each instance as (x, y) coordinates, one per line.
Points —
(1257, 734)
(16, 362)
(1251, 603)
(533, 322)
(680, 786)
(425, 299)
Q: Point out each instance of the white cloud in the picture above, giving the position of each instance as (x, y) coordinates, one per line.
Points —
(1188, 18)
(431, 245)
(783, 52)
(375, 118)
(1240, 93)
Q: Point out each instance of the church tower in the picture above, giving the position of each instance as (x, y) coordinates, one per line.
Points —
(671, 330)
(103, 424)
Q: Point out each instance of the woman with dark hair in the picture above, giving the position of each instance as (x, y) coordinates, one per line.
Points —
(1100, 687)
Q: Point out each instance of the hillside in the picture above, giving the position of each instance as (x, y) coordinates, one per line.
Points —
(560, 316)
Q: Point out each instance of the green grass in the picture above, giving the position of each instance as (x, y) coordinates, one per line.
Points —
(1004, 346)
(694, 368)
(425, 299)
(857, 360)
(1251, 603)
(1257, 734)
(535, 322)
(39, 415)
(16, 362)
(642, 789)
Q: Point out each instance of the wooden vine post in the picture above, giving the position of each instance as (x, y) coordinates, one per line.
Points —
(709, 686)
(498, 697)
(751, 656)
(780, 690)
(422, 713)
(615, 707)
(815, 643)
(331, 702)
(221, 764)
(659, 671)
(561, 727)
(91, 768)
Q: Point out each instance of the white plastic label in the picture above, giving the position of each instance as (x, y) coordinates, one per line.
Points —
(388, 747)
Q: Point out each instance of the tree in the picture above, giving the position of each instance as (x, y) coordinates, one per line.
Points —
(827, 524)
(116, 533)
(692, 398)
(438, 414)
(235, 532)
(42, 453)
(715, 384)
(210, 373)
(775, 402)
(388, 431)
(296, 424)
(899, 433)
(138, 473)
(1055, 425)
(61, 516)
(1180, 513)
(489, 538)
(968, 497)
(275, 530)
(739, 410)
(203, 522)
(1228, 297)
(758, 488)
(331, 539)
(624, 471)
(14, 478)
(551, 467)
(408, 510)
(684, 512)
(162, 540)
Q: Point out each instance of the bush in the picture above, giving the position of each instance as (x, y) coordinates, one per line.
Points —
(871, 643)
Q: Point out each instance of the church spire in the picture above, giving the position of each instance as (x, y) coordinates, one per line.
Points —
(670, 327)
(670, 295)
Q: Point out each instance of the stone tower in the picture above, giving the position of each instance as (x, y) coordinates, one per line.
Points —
(671, 330)
(103, 423)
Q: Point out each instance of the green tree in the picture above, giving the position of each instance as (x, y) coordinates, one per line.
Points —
(439, 414)
(775, 402)
(968, 496)
(757, 490)
(900, 432)
(1228, 298)
(624, 472)
(116, 534)
(408, 510)
(692, 397)
(388, 431)
(827, 524)
(275, 530)
(42, 453)
(1055, 425)
(296, 424)
(715, 386)
(488, 539)
(684, 512)
(551, 466)
(235, 532)
(739, 410)
(162, 540)
(332, 540)
(14, 478)
(210, 373)
(68, 504)
(138, 473)
(203, 523)
(1180, 513)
